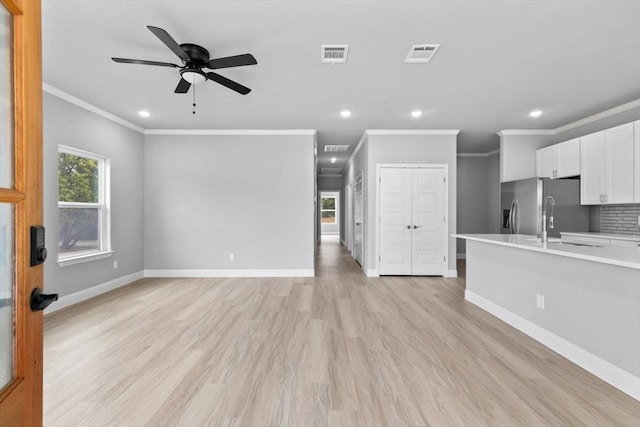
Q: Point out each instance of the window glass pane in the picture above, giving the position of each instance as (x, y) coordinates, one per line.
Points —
(6, 293)
(78, 231)
(6, 101)
(78, 179)
(328, 217)
(328, 203)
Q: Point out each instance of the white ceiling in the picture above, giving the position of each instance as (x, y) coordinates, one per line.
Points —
(498, 60)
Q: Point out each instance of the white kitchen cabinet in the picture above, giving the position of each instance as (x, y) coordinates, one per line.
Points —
(559, 160)
(607, 166)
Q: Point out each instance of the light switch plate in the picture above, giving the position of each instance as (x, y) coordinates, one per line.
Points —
(540, 301)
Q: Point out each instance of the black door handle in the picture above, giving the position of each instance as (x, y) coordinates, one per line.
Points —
(40, 301)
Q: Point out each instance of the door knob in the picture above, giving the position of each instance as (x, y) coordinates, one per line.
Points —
(408, 227)
(416, 226)
(40, 301)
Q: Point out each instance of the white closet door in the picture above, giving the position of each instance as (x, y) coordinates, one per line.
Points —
(395, 221)
(428, 222)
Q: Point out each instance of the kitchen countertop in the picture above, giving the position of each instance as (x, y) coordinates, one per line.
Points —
(630, 237)
(614, 255)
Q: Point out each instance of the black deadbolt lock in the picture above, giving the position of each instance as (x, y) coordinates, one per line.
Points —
(38, 251)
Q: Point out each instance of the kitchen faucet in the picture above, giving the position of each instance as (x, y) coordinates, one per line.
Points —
(548, 199)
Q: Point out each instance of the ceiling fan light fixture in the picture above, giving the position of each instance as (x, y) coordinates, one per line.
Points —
(195, 77)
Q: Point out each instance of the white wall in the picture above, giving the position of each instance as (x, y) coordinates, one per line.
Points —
(207, 196)
(68, 124)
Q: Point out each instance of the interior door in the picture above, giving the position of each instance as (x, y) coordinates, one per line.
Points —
(348, 217)
(395, 221)
(412, 225)
(428, 223)
(20, 207)
(358, 220)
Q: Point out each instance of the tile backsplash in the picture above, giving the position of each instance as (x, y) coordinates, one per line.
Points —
(620, 219)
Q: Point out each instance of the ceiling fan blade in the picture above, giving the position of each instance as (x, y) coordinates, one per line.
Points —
(183, 86)
(144, 62)
(232, 61)
(229, 83)
(169, 41)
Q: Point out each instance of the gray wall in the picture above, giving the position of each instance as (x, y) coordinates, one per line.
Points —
(478, 196)
(208, 196)
(67, 124)
(409, 149)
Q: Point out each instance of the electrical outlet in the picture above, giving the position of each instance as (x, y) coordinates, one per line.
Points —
(540, 301)
(115, 264)
(232, 256)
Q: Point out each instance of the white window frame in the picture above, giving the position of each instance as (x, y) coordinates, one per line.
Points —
(103, 205)
(334, 210)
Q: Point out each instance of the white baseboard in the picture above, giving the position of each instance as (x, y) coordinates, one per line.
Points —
(461, 256)
(229, 273)
(608, 372)
(372, 273)
(452, 273)
(85, 294)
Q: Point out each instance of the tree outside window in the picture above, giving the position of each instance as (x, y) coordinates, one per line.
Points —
(328, 210)
(82, 208)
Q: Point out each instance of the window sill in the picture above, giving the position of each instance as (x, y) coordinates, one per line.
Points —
(84, 258)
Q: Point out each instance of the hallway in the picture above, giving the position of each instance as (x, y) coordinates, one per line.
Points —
(335, 350)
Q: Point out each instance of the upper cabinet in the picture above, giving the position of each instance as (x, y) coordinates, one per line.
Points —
(607, 166)
(559, 160)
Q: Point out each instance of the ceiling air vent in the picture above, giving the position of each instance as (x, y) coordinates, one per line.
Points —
(334, 54)
(335, 148)
(421, 53)
(330, 171)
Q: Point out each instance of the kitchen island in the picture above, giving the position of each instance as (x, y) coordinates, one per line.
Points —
(581, 301)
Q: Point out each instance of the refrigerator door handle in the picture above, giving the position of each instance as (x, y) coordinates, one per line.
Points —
(516, 217)
(511, 217)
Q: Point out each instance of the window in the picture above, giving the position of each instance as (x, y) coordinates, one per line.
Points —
(83, 206)
(328, 210)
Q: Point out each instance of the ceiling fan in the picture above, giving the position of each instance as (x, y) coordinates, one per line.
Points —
(194, 59)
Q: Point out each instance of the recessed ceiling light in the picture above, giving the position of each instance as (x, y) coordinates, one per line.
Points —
(416, 113)
(345, 113)
(143, 113)
(535, 113)
(333, 160)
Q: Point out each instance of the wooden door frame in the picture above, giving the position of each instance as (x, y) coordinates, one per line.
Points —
(22, 398)
(379, 167)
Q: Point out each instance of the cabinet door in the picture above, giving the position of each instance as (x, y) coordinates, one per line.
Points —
(547, 162)
(569, 158)
(619, 164)
(592, 169)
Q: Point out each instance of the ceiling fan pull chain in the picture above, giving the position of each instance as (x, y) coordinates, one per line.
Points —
(194, 99)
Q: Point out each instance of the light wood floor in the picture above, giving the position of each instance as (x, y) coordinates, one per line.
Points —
(335, 350)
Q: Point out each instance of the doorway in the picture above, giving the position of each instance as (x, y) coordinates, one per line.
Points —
(412, 227)
(329, 213)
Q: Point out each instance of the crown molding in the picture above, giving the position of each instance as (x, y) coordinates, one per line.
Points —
(262, 132)
(89, 107)
(595, 117)
(487, 154)
(363, 138)
(412, 132)
(524, 132)
(578, 123)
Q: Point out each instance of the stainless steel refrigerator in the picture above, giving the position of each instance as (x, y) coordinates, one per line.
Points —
(521, 206)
